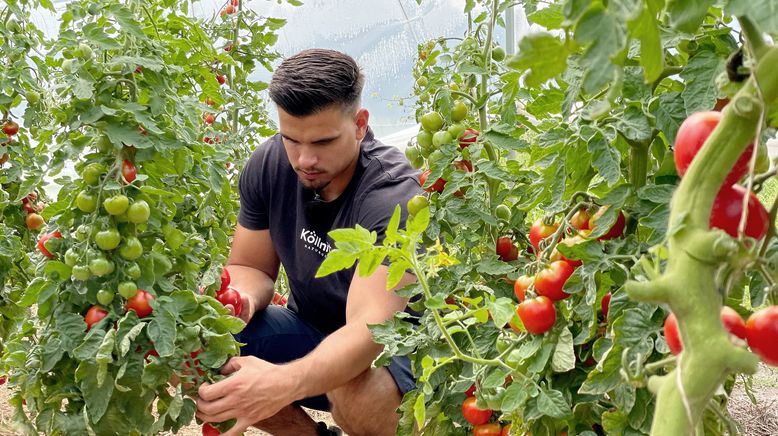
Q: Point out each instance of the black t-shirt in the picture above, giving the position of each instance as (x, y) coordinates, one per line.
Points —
(271, 197)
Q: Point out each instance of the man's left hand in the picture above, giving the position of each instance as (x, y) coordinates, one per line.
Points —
(254, 391)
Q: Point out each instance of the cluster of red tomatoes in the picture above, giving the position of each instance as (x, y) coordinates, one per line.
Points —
(539, 314)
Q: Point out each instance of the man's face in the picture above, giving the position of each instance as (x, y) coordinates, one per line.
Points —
(323, 147)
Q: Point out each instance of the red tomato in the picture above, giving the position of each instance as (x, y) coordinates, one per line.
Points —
(671, 334)
(506, 250)
(606, 302)
(539, 231)
(580, 219)
(473, 414)
(94, 315)
(468, 137)
(728, 206)
(435, 187)
(128, 171)
(140, 303)
(225, 283)
(10, 128)
(521, 285)
(762, 334)
(551, 280)
(42, 243)
(733, 322)
(692, 135)
(615, 231)
(209, 430)
(492, 429)
(231, 296)
(537, 314)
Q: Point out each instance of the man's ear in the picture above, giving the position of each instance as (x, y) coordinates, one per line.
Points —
(361, 119)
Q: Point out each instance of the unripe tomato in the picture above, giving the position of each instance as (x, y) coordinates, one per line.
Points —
(506, 250)
(537, 314)
(139, 212)
(86, 202)
(108, 239)
(692, 135)
(473, 414)
(94, 315)
(540, 231)
(34, 221)
(139, 303)
(129, 172)
(416, 204)
(551, 280)
(117, 204)
(762, 334)
(728, 206)
(432, 121)
(458, 111)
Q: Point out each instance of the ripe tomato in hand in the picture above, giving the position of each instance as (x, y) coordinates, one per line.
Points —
(209, 430)
(615, 231)
(225, 280)
(551, 280)
(537, 314)
(491, 429)
(140, 303)
(692, 135)
(506, 250)
(762, 334)
(473, 414)
(94, 315)
(728, 206)
(521, 285)
(539, 231)
(232, 297)
(128, 171)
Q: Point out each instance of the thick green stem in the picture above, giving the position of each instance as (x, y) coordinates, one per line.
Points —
(688, 284)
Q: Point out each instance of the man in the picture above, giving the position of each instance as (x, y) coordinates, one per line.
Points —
(323, 170)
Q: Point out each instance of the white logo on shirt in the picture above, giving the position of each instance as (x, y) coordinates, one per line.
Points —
(315, 242)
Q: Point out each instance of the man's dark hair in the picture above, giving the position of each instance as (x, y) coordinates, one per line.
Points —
(316, 79)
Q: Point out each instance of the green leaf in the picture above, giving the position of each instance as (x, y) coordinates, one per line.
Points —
(563, 359)
(687, 15)
(543, 55)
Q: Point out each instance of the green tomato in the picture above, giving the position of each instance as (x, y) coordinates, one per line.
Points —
(503, 212)
(456, 130)
(104, 297)
(133, 271)
(108, 239)
(417, 203)
(71, 257)
(81, 273)
(441, 138)
(92, 173)
(101, 266)
(498, 54)
(432, 121)
(139, 212)
(86, 202)
(131, 248)
(458, 112)
(116, 205)
(128, 289)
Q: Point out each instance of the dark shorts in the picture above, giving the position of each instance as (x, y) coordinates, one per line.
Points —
(278, 335)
